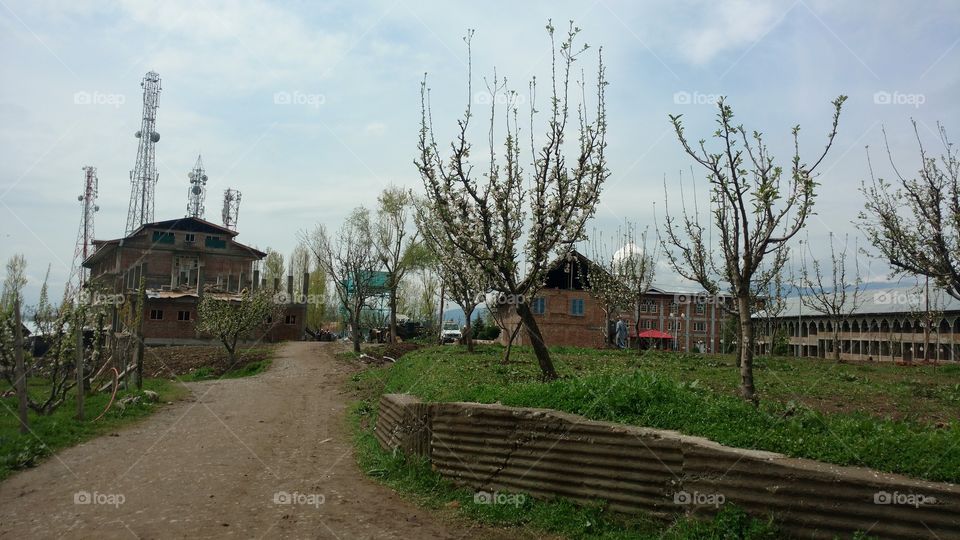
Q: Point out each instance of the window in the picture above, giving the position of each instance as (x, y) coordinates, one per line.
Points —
(163, 237)
(700, 326)
(189, 238)
(539, 306)
(646, 324)
(156, 314)
(653, 307)
(215, 242)
(576, 306)
(183, 315)
(290, 319)
(674, 307)
(701, 307)
(643, 307)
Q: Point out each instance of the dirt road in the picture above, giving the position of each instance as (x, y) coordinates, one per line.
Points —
(261, 457)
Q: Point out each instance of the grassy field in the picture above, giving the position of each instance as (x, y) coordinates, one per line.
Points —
(892, 418)
(529, 518)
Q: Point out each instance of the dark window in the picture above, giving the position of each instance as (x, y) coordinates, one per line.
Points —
(290, 319)
(539, 306)
(701, 307)
(190, 238)
(183, 315)
(215, 242)
(699, 327)
(162, 237)
(576, 306)
(156, 314)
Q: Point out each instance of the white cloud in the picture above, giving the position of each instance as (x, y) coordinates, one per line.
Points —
(729, 25)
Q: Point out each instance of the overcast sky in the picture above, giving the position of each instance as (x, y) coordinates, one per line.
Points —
(351, 72)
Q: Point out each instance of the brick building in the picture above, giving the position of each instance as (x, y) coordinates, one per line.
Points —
(180, 261)
(568, 314)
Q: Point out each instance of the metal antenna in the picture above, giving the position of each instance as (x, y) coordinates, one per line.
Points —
(88, 200)
(231, 208)
(197, 191)
(143, 177)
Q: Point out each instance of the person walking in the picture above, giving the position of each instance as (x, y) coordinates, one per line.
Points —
(621, 333)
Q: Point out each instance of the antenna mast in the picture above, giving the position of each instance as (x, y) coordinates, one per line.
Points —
(197, 191)
(88, 200)
(231, 208)
(143, 177)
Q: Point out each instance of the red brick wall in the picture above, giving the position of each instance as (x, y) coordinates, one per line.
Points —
(171, 328)
(560, 328)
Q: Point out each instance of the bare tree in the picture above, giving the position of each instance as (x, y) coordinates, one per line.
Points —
(350, 261)
(463, 280)
(513, 214)
(830, 291)
(755, 212)
(395, 244)
(916, 225)
(231, 320)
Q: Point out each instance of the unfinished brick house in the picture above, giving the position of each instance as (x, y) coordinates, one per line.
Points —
(180, 260)
(569, 315)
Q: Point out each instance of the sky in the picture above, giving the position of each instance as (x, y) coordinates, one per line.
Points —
(311, 108)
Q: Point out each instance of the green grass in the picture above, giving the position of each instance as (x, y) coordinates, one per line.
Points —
(206, 373)
(414, 479)
(895, 419)
(61, 429)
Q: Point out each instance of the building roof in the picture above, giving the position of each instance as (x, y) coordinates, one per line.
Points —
(893, 299)
(189, 224)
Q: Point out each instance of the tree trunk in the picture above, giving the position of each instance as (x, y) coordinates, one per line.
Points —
(747, 390)
(469, 331)
(355, 334)
(393, 313)
(536, 341)
(510, 340)
(20, 370)
(836, 343)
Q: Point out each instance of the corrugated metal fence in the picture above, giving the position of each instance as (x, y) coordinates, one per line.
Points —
(547, 454)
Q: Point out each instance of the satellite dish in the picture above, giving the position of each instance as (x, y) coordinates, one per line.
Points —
(190, 175)
(137, 134)
(195, 189)
(96, 208)
(154, 136)
(79, 197)
(204, 179)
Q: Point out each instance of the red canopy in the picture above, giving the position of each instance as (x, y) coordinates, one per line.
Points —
(654, 334)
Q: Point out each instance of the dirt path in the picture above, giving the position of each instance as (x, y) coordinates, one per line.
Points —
(212, 466)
